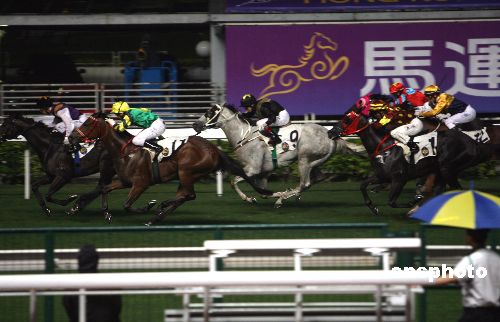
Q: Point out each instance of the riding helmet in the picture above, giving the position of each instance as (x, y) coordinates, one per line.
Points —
(120, 107)
(44, 102)
(431, 90)
(248, 100)
(396, 87)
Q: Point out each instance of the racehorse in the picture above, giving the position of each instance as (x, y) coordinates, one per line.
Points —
(307, 143)
(194, 159)
(455, 152)
(57, 162)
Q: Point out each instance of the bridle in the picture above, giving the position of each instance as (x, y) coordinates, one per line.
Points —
(84, 136)
(214, 122)
(352, 128)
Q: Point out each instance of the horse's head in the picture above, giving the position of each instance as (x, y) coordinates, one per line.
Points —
(93, 128)
(354, 120)
(215, 117)
(14, 126)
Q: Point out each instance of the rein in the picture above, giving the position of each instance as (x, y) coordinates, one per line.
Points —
(377, 149)
(355, 117)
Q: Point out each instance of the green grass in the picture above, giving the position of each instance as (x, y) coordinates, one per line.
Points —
(336, 202)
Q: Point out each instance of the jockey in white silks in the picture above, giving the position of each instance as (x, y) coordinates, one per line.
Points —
(151, 123)
(269, 112)
(66, 117)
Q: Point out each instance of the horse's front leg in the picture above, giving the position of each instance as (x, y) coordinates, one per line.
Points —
(35, 189)
(364, 191)
(185, 192)
(54, 187)
(132, 197)
(397, 185)
(243, 196)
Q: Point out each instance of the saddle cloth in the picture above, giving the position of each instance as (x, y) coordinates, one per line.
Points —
(289, 135)
(427, 144)
(169, 145)
(480, 136)
(85, 148)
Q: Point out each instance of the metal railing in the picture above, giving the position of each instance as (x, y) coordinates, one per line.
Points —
(179, 104)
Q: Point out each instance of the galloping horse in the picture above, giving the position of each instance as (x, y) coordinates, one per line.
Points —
(307, 143)
(455, 152)
(57, 163)
(194, 159)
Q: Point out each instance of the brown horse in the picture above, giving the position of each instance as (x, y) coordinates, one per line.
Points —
(194, 159)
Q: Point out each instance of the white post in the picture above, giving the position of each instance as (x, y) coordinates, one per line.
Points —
(82, 306)
(27, 183)
(220, 187)
(33, 306)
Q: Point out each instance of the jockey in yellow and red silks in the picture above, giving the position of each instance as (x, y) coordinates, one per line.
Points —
(151, 123)
(269, 112)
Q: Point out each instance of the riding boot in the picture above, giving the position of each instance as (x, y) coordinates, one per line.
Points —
(273, 137)
(153, 146)
(413, 146)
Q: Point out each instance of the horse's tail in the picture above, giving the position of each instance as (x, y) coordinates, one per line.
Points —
(346, 147)
(235, 168)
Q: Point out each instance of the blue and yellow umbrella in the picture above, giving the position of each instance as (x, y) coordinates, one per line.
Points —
(466, 209)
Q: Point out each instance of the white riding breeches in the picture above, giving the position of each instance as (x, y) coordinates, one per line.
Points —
(402, 133)
(74, 124)
(466, 116)
(156, 129)
(281, 119)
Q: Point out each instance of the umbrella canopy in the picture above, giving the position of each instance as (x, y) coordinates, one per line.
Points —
(466, 209)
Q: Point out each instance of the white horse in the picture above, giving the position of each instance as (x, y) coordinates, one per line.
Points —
(307, 143)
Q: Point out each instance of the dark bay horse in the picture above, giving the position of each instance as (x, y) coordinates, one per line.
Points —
(194, 159)
(57, 162)
(455, 152)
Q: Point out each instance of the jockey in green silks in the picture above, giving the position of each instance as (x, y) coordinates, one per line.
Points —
(151, 123)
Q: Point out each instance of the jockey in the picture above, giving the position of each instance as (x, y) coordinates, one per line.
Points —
(66, 117)
(406, 97)
(152, 125)
(409, 99)
(270, 113)
(446, 107)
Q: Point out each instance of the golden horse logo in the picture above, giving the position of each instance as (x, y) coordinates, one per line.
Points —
(317, 63)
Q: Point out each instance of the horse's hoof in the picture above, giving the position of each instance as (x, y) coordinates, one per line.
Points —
(298, 197)
(375, 211)
(72, 197)
(278, 204)
(412, 211)
(108, 217)
(151, 204)
(253, 200)
(73, 211)
(47, 212)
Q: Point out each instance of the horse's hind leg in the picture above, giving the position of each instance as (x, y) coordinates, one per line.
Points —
(35, 188)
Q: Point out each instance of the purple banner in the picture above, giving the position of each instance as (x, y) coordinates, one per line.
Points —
(234, 6)
(323, 69)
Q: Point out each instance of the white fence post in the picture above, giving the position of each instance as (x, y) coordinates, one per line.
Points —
(27, 168)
